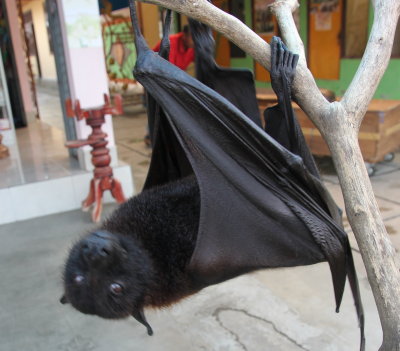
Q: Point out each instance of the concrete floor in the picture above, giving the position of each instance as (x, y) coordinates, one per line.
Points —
(278, 310)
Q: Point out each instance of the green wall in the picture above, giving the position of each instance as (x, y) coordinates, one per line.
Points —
(389, 87)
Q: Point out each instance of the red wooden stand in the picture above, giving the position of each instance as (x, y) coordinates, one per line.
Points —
(103, 175)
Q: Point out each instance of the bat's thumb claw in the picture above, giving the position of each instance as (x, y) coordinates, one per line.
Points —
(138, 314)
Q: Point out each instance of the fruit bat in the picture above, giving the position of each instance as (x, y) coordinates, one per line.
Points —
(223, 197)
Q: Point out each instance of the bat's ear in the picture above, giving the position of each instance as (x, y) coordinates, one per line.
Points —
(64, 299)
(138, 314)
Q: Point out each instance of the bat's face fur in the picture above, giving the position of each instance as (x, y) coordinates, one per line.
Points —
(105, 275)
(137, 257)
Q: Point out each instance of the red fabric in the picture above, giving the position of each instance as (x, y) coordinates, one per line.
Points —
(178, 55)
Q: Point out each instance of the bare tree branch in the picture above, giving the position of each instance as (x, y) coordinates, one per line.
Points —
(283, 12)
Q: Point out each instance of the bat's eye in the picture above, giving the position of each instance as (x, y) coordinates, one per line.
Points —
(78, 279)
(116, 289)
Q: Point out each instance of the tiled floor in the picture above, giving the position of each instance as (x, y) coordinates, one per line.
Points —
(39, 155)
(49, 103)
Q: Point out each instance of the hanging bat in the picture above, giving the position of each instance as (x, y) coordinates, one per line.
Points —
(223, 197)
(137, 257)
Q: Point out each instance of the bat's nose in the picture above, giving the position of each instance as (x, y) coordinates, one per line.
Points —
(97, 248)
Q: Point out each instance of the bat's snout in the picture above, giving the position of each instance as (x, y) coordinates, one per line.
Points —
(97, 248)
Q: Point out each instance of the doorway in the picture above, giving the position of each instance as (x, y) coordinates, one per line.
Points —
(324, 44)
(10, 68)
(39, 51)
(31, 43)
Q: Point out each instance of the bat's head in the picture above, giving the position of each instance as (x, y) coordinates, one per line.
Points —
(106, 274)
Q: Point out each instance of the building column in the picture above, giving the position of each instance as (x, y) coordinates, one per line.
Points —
(86, 67)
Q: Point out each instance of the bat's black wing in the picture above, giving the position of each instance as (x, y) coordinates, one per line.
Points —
(234, 84)
(168, 161)
(282, 125)
(260, 205)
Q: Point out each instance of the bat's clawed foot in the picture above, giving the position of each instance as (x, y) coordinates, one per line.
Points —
(283, 66)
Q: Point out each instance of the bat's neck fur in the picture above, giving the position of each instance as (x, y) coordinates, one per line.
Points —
(164, 222)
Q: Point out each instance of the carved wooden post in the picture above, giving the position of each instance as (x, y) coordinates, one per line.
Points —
(103, 178)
